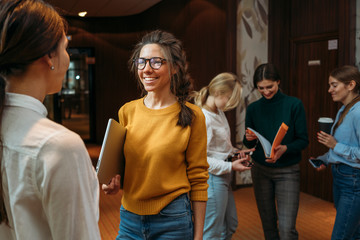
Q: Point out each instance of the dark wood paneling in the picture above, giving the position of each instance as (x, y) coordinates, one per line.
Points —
(299, 31)
(279, 38)
(310, 84)
(347, 31)
(204, 26)
(309, 17)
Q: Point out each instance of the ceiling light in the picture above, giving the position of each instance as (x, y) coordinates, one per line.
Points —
(82, 14)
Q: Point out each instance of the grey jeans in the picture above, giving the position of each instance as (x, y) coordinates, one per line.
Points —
(277, 193)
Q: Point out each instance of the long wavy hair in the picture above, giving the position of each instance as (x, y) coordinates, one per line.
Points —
(29, 29)
(180, 81)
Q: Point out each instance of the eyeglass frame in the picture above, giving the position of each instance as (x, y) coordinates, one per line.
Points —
(135, 60)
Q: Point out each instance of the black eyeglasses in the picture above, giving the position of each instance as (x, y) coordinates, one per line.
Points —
(155, 62)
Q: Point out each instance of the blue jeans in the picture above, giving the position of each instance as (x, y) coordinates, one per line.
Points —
(277, 192)
(346, 192)
(173, 222)
(221, 217)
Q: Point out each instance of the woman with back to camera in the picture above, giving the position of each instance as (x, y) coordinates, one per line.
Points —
(276, 181)
(49, 186)
(344, 152)
(165, 148)
(222, 94)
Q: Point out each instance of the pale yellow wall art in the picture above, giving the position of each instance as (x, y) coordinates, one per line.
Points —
(251, 50)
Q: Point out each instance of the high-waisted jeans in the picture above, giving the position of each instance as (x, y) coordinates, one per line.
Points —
(346, 190)
(221, 217)
(173, 222)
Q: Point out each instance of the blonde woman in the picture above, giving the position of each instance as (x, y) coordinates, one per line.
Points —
(222, 94)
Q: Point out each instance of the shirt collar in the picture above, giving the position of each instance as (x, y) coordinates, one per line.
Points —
(25, 101)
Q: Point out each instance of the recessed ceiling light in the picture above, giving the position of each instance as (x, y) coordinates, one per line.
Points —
(82, 14)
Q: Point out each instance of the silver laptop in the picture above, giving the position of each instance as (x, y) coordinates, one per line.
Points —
(111, 159)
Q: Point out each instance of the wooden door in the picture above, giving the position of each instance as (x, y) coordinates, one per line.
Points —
(310, 65)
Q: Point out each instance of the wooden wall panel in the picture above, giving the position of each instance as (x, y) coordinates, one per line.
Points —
(202, 25)
(309, 17)
(306, 28)
(307, 80)
(347, 31)
(279, 38)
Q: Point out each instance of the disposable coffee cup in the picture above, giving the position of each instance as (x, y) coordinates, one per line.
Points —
(325, 124)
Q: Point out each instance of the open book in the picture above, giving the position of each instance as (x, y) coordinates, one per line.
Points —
(268, 148)
(111, 159)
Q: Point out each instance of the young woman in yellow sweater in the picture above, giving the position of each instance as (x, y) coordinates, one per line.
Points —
(166, 173)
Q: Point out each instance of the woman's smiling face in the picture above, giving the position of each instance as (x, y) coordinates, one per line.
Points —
(268, 88)
(339, 91)
(154, 80)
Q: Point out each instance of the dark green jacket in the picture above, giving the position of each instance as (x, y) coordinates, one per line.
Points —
(266, 115)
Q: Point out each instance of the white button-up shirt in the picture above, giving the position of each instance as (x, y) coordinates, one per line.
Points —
(219, 146)
(50, 186)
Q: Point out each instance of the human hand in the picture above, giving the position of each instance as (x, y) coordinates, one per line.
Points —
(242, 164)
(244, 153)
(250, 136)
(321, 167)
(113, 187)
(278, 152)
(326, 139)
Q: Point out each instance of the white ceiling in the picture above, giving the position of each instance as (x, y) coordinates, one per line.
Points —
(103, 8)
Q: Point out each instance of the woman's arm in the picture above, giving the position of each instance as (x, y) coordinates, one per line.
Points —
(346, 143)
(250, 139)
(199, 209)
(196, 158)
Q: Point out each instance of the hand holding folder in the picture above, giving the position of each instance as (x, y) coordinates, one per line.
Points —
(269, 149)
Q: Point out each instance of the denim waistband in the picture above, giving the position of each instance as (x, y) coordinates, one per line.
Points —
(183, 196)
(337, 165)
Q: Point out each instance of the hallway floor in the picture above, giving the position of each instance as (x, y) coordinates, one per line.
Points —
(315, 218)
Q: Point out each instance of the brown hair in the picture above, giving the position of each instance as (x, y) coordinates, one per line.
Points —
(29, 29)
(221, 84)
(346, 74)
(180, 81)
(266, 71)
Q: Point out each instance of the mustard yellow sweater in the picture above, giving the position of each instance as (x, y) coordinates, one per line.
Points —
(163, 160)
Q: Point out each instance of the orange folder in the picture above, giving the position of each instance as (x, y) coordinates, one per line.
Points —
(269, 148)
